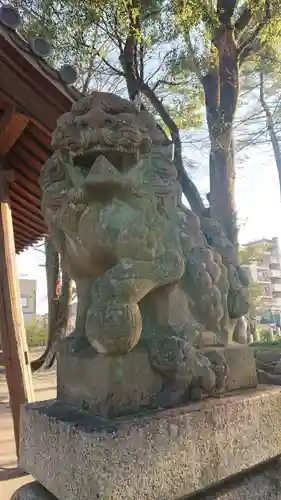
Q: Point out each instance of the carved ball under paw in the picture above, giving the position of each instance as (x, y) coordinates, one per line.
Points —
(115, 329)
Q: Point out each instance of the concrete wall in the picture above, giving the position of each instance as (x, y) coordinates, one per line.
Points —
(28, 299)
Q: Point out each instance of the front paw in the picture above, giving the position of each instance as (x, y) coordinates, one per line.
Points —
(220, 369)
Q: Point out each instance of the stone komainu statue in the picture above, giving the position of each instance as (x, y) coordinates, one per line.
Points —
(145, 267)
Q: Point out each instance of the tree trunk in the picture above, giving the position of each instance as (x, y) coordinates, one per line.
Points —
(59, 301)
(253, 329)
(221, 88)
(222, 184)
(270, 127)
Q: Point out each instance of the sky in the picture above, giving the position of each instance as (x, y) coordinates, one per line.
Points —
(258, 206)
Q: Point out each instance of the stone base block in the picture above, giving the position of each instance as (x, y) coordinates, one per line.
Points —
(113, 386)
(160, 455)
(263, 483)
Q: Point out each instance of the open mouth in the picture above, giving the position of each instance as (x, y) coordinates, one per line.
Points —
(122, 160)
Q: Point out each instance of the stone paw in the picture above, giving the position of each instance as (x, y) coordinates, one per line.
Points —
(114, 329)
(220, 369)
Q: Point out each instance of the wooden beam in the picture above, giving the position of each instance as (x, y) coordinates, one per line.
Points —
(13, 338)
(24, 227)
(31, 208)
(26, 195)
(24, 215)
(31, 186)
(12, 125)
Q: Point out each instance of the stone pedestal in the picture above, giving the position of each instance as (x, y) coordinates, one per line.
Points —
(113, 386)
(261, 483)
(161, 455)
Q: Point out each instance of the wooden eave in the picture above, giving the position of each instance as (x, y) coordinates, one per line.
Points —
(32, 97)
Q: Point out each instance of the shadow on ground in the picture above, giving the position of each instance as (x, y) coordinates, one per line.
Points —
(13, 473)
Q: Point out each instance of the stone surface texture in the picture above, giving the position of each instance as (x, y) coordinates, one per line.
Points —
(261, 484)
(113, 386)
(145, 267)
(161, 455)
(269, 365)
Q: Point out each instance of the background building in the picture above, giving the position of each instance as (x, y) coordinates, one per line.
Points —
(28, 299)
(267, 273)
(43, 318)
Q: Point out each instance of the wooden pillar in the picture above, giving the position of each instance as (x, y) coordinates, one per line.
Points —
(13, 338)
(12, 330)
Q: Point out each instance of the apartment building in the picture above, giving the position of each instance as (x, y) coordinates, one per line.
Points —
(71, 321)
(28, 299)
(268, 274)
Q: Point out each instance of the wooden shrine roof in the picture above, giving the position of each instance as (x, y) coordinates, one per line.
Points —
(32, 97)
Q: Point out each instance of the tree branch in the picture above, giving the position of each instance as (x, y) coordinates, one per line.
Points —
(244, 19)
(141, 57)
(104, 60)
(189, 189)
(116, 34)
(159, 108)
(113, 69)
(246, 47)
(159, 66)
(195, 61)
(169, 84)
(192, 194)
(270, 127)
